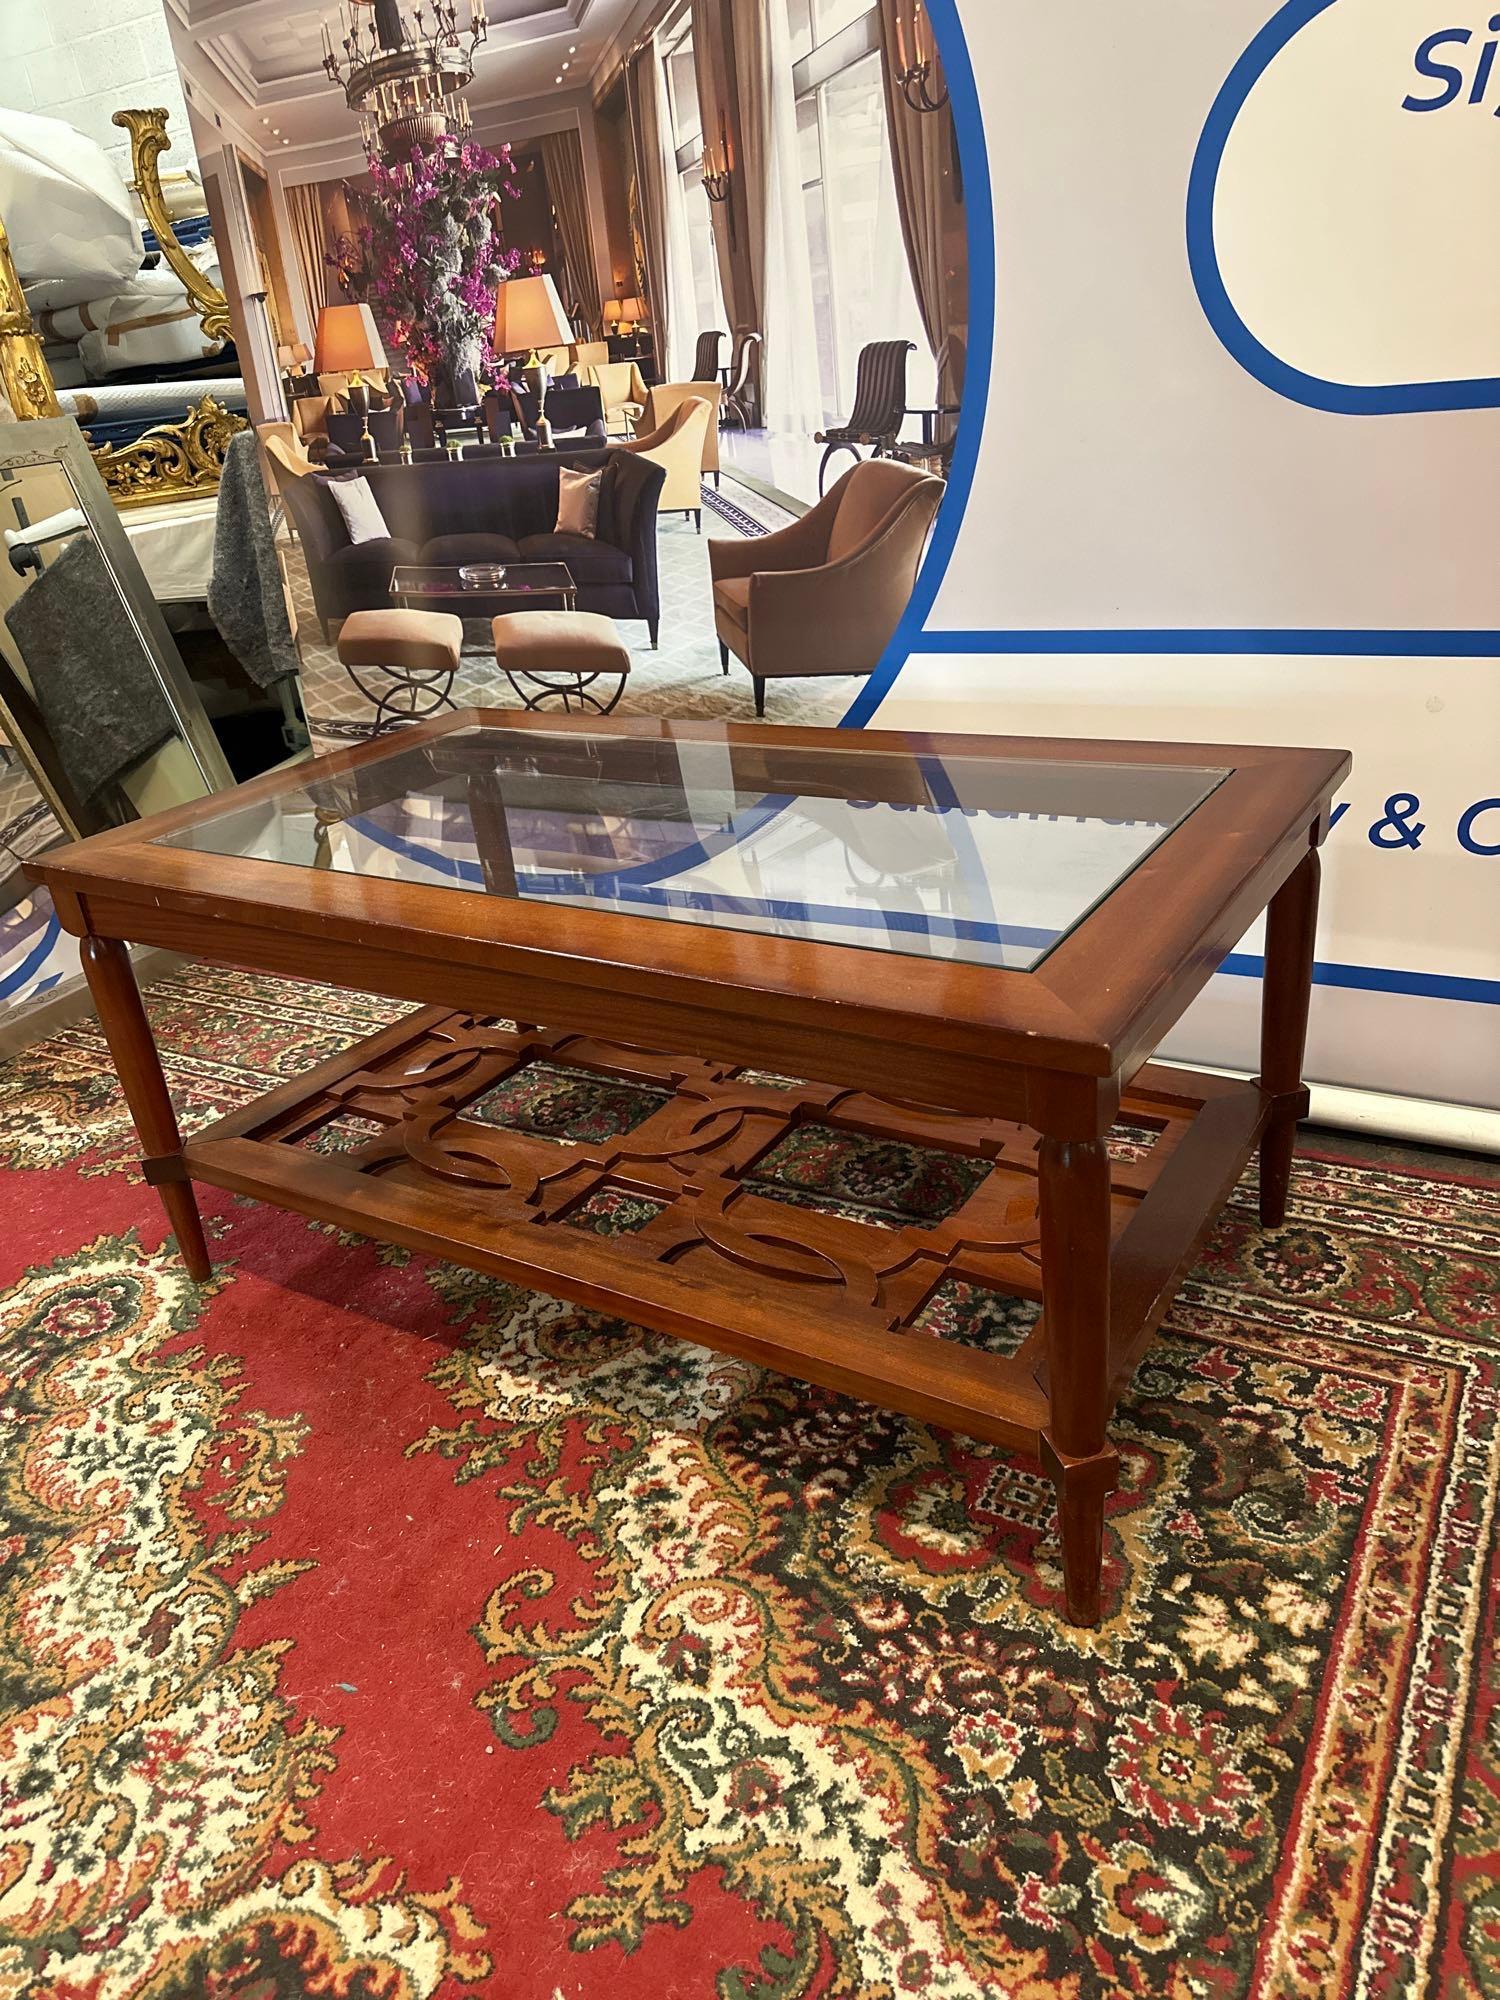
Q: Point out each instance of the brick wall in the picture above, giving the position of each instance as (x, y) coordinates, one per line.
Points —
(81, 60)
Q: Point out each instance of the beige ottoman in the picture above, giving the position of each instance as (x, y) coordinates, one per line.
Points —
(417, 652)
(555, 658)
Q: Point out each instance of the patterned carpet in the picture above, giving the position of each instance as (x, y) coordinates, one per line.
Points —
(682, 678)
(372, 1629)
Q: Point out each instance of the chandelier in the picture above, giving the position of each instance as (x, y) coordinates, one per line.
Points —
(403, 73)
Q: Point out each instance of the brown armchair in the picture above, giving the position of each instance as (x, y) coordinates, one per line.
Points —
(824, 595)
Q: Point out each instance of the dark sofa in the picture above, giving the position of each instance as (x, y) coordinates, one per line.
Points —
(486, 510)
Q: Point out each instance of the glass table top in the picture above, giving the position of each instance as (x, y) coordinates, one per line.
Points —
(965, 857)
(520, 579)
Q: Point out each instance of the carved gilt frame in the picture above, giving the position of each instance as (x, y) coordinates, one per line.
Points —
(180, 461)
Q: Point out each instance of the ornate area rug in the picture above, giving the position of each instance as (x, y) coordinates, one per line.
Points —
(373, 1629)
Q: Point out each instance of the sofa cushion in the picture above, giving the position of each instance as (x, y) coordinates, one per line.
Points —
(477, 496)
(590, 561)
(363, 520)
(578, 502)
(382, 554)
(469, 549)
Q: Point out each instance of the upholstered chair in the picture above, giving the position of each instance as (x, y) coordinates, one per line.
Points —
(824, 595)
(590, 354)
(336, 386)
(624, 393)
(310, 418)
(287, 460)
(678, 448)
(285, 451)
(664, 399)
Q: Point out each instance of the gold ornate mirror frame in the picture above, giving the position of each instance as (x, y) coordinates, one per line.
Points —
(179, 461)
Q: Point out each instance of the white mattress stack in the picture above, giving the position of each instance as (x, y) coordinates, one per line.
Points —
(78, 252)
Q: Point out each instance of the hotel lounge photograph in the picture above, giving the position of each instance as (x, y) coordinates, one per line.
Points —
(693, 1301)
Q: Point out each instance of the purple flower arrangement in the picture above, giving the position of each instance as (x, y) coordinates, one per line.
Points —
(431, 255)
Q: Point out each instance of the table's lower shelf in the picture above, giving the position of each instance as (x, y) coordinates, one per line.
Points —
(819, 1231)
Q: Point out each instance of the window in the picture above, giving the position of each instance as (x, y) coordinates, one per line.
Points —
(814, 207)
(682, 87)
(814, 22)
(861, 286)
(687, 140)
(708, 293)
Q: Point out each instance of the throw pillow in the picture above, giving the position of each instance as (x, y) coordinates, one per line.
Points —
(578, 502)
(360, 509)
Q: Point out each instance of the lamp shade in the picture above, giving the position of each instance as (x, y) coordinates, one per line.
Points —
(528, 314)
(634, 310)
(348, 341)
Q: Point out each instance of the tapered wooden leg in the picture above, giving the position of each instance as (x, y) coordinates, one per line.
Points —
(1291, 925)
(1074, 1176)
(106, 964)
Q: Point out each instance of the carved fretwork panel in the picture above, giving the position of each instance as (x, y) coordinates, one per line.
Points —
(786, 1192)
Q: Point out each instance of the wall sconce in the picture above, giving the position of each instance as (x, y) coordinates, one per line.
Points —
(916, 61)
(718, 177)
(537, 260)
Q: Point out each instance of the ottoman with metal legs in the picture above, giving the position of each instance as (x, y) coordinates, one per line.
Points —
(416, 654)
(562, 659)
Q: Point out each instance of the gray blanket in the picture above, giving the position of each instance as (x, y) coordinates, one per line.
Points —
(245, 596)
(95, 685)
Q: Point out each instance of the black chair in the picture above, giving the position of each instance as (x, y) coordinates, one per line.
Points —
(938, 419)
(451, 422)
(419, 427)
(879, 405)
(346, 433)
(738, 393)
(577, 413)
(706, 357)
(499, 412)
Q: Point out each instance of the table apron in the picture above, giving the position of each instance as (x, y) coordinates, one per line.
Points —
(819, 1050)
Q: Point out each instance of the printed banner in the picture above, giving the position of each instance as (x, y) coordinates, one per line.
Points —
(1236, 476)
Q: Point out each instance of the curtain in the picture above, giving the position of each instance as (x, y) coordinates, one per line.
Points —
(768, 189)
(711, 69)
(562, 160)
(682, 303)
(930, 204)
(645, 93)
(304, 207)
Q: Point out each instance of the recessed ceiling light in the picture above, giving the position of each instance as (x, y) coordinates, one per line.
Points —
(565, 65)
(265, 121)
(275, 131)
(572, 48)
(557, 79)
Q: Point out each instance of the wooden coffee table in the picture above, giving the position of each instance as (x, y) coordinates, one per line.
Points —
(963, 944)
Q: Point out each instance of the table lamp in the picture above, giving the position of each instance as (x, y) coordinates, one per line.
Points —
(348, 341)
(633, 312)
(529, 315)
